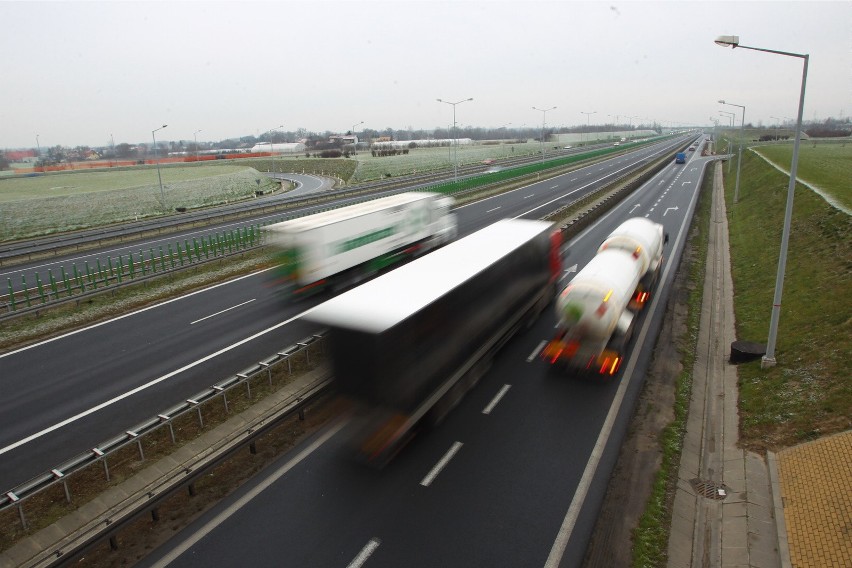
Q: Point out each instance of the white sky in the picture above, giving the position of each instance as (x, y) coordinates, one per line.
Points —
(76, 72)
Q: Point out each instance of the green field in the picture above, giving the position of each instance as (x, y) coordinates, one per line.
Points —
(53, 203)
(827, 166)
(808, 394)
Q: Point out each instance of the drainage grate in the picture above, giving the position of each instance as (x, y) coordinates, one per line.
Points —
(709, 489)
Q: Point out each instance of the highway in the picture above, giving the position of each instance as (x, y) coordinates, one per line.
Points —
(513, 477)
(68, 394)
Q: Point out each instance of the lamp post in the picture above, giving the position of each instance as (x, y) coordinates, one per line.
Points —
(588, 114)
(455, 138)
(355, 145)
(734, 41)
(38, 159)
(195, 136)
(730, 116)
(739, 149)
(271, 148)
(112, 142)
(157, 159)
(541, 138)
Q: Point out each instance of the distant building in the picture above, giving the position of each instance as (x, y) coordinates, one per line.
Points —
(279, 148)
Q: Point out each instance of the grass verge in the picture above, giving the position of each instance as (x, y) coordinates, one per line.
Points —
(651, 536)
(808, 393)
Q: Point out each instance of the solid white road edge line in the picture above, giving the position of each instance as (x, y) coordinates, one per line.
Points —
(430, 477)
(223, 311)
(81, 330)
(140, 388)
(564, 534)
(242, 501)
(365, 553)
(497, 398)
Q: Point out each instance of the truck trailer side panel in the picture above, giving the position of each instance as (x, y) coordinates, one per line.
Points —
(398, 340)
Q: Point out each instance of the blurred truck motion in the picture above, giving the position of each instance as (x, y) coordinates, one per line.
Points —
(406, 346)
(341, 247)
(596, 310)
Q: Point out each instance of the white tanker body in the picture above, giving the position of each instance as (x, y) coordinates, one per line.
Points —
(597, 309)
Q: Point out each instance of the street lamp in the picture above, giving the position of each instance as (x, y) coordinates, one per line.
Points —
(588, 114)
(541, 138)
(455, 137)
(194, 135)
(39, 153)
(157, 159)
(271, 148)
(739, 149)
(355, 145)
(734, 41)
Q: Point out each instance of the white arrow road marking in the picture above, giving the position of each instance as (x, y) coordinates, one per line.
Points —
(669, 209)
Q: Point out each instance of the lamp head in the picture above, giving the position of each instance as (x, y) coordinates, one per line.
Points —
(728, 40)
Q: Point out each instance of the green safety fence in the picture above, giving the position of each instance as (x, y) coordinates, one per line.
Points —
(114, 271)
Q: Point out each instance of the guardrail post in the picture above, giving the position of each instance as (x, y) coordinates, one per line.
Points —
(252, 448)
(53, 286)
(11, 294)
(113, 542)
(224, 392)
(79, 279)
(168, 421)
(98, 453)
(198, 408)
(65, 281)
(40, 288)
(59, 475)
(155, 514)
(26, 290)
(248, 385)
(15, 499)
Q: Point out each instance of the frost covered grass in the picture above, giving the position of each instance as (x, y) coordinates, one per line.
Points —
(808, 394)
(64, 202)
(419, 160)
(827, 166)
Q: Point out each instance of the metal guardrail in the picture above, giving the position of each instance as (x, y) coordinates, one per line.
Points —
(18, 496)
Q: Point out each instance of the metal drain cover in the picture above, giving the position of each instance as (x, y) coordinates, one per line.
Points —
(709, 489)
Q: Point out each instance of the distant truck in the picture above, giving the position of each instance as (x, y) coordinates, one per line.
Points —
(344, 246)
(406, 346)
(596, 310)
(680, 158)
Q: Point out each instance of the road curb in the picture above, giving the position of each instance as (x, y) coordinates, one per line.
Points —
(778, 509)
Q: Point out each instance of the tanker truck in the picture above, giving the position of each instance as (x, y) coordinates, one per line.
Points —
(406, 346)
(341, 247)
(596, 311)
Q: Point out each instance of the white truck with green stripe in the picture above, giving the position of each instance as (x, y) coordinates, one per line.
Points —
(343, 246)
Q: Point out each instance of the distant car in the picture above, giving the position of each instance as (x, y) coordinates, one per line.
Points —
(487, 162)
(567, 147)
(617, 144)
(692, 148)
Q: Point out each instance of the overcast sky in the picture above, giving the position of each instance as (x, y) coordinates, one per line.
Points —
(76, 73)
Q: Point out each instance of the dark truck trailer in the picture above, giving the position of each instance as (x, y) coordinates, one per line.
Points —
(406, 346)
